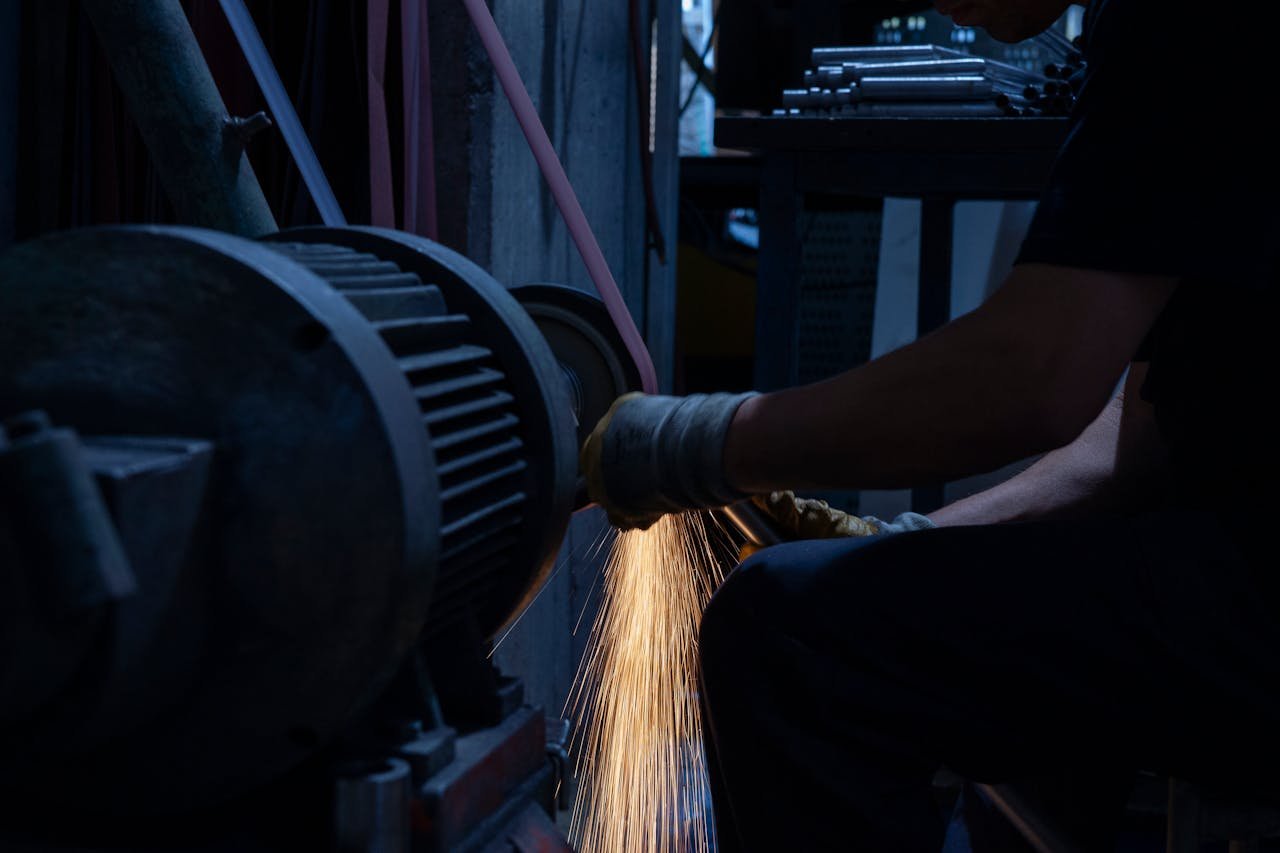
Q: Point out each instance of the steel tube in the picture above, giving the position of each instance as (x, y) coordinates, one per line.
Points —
(929, 109)
(858, 71)
(756, 525)
(264, 71)
(172, 97)
(886, 53)
(968, 88)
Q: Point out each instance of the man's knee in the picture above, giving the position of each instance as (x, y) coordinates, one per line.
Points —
(844, 591)
(767, 592)
(733, 607)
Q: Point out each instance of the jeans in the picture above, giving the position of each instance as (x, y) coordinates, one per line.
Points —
(839, 676)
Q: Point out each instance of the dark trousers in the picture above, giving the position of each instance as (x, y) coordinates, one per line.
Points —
(838, 676)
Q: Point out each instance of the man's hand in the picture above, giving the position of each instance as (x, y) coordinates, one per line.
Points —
(806, 518)
(651, 456)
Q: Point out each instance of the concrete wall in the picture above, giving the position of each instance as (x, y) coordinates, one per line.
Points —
(575, 59)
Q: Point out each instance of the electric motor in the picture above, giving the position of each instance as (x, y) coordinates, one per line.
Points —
(314, 452)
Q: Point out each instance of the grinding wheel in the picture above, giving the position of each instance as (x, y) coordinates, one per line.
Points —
(592, 356)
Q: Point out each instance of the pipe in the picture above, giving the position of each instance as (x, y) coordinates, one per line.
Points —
(173, 100)
(968, 88)
(855, 72)
(756, 525)
(882, 53)
(554, 174)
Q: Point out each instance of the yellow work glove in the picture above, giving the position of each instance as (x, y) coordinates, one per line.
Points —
(806, 518)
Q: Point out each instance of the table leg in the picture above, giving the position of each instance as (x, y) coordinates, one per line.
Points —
(937, 231)
(778, 275)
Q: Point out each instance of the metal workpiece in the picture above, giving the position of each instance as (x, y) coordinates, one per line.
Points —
(197, 151)
(756, 526)
(964, 88)
(371, 808)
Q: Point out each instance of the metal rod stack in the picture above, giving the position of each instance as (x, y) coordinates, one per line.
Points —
(928, 80)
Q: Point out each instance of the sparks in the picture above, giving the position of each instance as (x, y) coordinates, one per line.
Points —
(639, 733)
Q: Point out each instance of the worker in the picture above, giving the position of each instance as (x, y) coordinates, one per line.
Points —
(1111, 609)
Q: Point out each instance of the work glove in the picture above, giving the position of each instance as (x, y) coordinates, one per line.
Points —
(651, 456)
(806, 518)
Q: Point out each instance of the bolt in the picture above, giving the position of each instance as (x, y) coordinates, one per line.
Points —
(245, 129)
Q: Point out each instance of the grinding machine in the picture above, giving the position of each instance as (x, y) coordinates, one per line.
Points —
(264, 505)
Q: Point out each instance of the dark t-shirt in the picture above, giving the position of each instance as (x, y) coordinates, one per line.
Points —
(1170, 169)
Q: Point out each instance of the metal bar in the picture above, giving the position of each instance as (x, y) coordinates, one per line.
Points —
(968, 88)
(886, 53)
(855, 72)
(173, 99)
(255, 52)
(757, 526)
(1056, 41)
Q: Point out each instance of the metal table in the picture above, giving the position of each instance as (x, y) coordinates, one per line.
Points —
(938, 160)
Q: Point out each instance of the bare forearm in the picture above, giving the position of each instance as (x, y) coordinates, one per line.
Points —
(1115, 464)
(1074, 480)
(947, 406)
(1012, 379)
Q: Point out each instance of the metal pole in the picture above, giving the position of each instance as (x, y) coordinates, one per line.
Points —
(196, 147)
(295, 137)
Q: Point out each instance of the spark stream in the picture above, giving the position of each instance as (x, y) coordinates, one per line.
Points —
(639, 734)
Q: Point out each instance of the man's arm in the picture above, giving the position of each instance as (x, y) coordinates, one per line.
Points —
(1118, 461)
(1024, 374)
